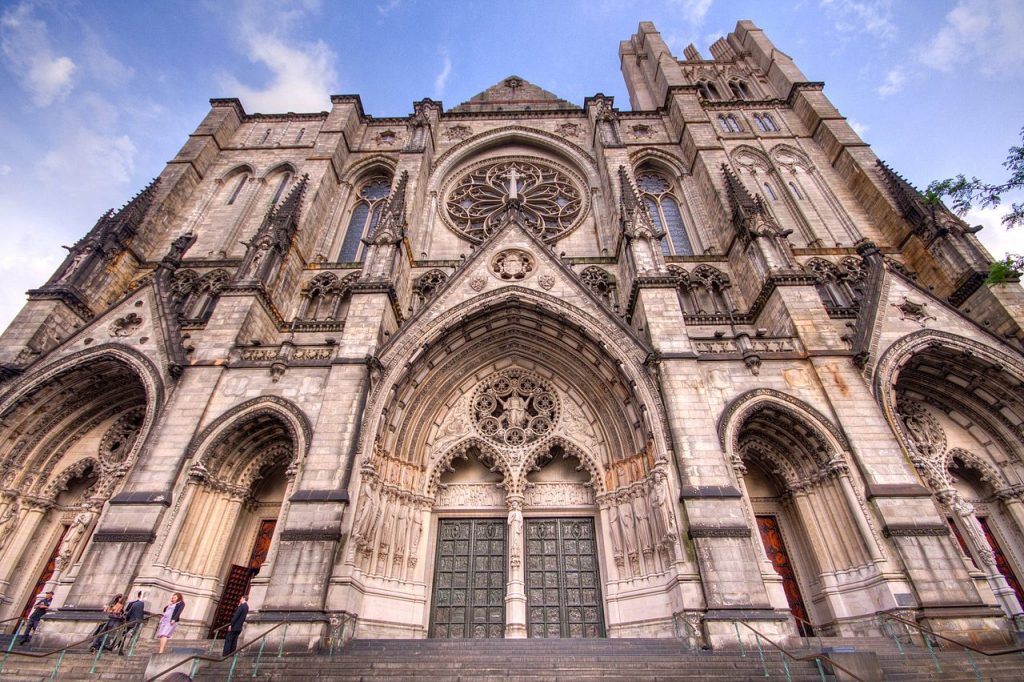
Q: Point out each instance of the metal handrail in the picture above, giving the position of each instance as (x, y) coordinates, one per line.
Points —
(90, 638)
(794, 657)
(813, 628)
(997, 652)
(196, 658)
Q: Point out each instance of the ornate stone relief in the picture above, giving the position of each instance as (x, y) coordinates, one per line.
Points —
(470, 495)
(386, 137)
(641, 130)
(512, 265)
(546, 281)
(125, 326)
(477, 283)
(514, 408)
(558, 494)
(568, 130)
(913, 311)
(458, 132)
(548, 198)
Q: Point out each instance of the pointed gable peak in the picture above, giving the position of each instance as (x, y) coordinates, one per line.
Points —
(514, 94)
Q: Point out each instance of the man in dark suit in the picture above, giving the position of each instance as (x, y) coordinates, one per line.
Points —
(237, 621)
(43, 602)
(134, 612)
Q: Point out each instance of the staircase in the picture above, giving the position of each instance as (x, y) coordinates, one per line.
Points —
(524, 660)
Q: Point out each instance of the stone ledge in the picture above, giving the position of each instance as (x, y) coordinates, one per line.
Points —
(695, 492)
(310, 535)
(709, 531)
(747, 612)
(124, 536)
(914, 529)
(143, 497)
(897, 490)
(319, 496)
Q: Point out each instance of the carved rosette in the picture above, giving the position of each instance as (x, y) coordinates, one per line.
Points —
(513, 265)
(549, 199)
(514, 408)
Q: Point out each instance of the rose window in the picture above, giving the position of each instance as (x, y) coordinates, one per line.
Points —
(548, 200)
(514, 408)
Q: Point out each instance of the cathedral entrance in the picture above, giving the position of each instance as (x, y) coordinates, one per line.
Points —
(563, 592)
(771, 538)
(240, 577)
(469, 580)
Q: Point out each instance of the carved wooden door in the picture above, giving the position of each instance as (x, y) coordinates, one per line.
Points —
(563, 593)
(771, 538)
(1001, 562)
(239, 577)
(469, 580)
(45, 575)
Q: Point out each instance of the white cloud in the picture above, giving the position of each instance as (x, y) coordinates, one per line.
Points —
(5, 169)
(386, 8)
(982, 31)
(302, 73)
(102, 65)
(858, 127)
(693, 11)
(862, 16)
(894, 81)
(996, 238)
(441, 80)
(86, 161)
(45, 75)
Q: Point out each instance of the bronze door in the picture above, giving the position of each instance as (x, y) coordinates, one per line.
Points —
(239, 578)
(563, 593)
(469, 580)
(1001, 562)
(771, 538)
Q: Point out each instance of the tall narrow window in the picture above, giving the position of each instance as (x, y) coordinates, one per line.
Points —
(770, 192)
(729, 124)
(658, 196)
(769, 123)
(708, 90)
(365, 215)
(740, 89)
(266, 135)
(796, 190)
(759, 122)
(238, 188)
(298, 135)
(280, 189)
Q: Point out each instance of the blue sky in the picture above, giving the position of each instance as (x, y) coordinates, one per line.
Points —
(98, 96)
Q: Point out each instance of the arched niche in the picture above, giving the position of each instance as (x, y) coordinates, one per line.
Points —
(792, 466)
(220, 537)
(70, 433)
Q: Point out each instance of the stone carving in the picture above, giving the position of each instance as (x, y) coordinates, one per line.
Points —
(386, 137)
(546, 281)
(568, 130)
(313, 354)
(641, 130)
(8, 521)
(120, 437)
(548, 199)
(559, 494)
(515, 537)
(455, 426)
(72, 538)
(470, 495)
(458, 132)
(923, 428)
(514, 408)
(512, 265)
(477, 283)
(259, 354)
(913, 311)
(125, 326)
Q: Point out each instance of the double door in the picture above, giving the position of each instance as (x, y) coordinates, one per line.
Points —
(561, 575)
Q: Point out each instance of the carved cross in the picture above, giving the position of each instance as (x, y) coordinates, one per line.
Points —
(513, 175)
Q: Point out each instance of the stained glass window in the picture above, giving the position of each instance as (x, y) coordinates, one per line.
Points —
(365, 215)
(665, 212)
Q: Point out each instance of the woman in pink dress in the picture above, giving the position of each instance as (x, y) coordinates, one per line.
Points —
(169, 621)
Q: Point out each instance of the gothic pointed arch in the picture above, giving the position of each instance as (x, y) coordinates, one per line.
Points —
(291, 417)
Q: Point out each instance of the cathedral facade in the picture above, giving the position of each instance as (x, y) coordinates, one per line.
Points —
(525, 368)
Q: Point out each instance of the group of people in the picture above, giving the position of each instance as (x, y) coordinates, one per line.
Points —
(112, 636)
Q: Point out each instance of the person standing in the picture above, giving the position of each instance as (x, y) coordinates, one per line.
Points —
(115, 616)
(43, 602)
(237, 622)
(169, 619)
(133, 615)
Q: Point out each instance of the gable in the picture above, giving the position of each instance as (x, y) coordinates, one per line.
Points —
(514, 94)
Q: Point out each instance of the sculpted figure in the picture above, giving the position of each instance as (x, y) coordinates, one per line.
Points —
(515, 411)
(628, 528)
(515, 536)
(643, 526)
(72, 537)
(367, 512)
(8, 521)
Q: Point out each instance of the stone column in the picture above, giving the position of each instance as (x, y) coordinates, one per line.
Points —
(515, 593)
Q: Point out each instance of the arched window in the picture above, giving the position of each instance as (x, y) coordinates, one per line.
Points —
(326, 299)
(729, 124)
(708, 90)
(601, 283)
(658, 196)
(769, 123)
(796, 190)
(739, 88)
(704, 291)
(838, 287)
(196, 295)
(759, 122)
(239, 186)
(279, 191)
(365, 214)
(427, 285)
(770, 192)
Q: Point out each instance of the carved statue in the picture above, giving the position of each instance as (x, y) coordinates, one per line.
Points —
(643, 526)
(515, 536)
(8, 521)
(663, 517)
(628, 528)
(613, 531)
(73, 266)
(367, 512)
(72, 538)
(515, 411)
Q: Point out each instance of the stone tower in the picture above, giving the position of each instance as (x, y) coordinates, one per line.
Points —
(523, 368)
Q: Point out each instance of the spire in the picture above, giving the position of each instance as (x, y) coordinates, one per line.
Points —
(634, 211)
(740, 202)
(929, 220)
(289, 208)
